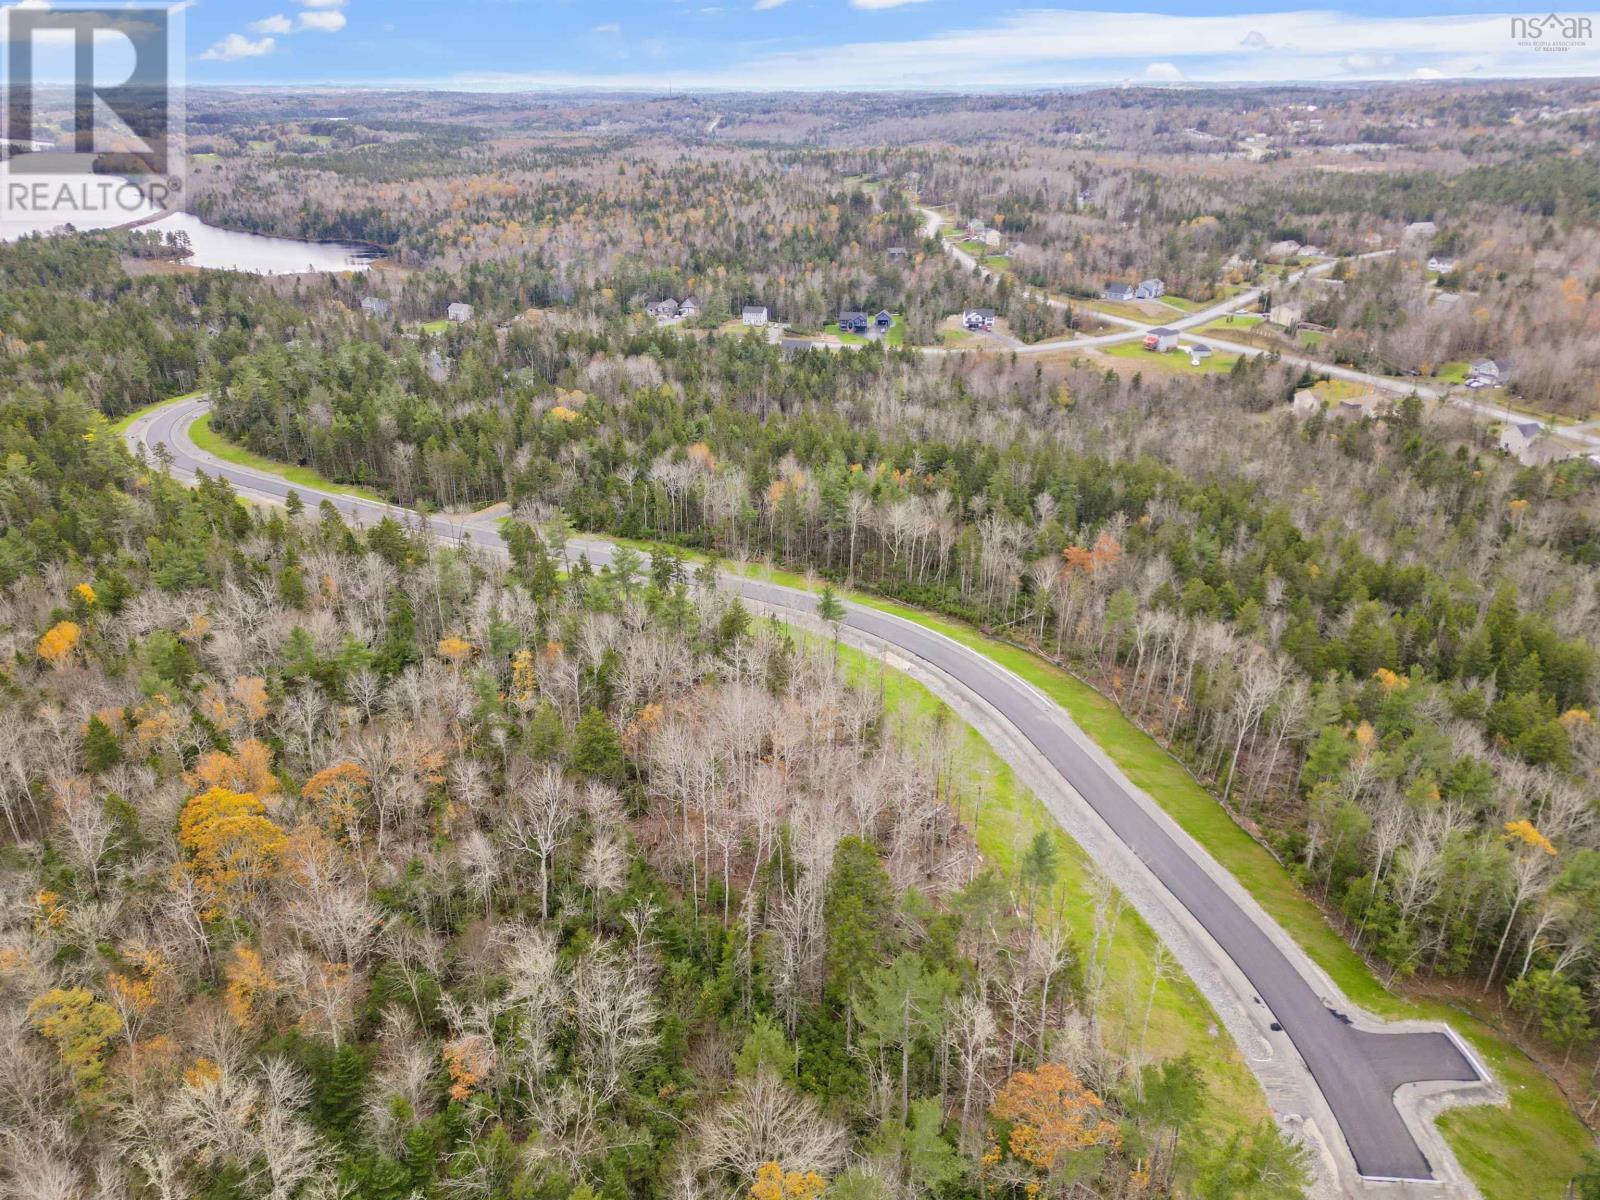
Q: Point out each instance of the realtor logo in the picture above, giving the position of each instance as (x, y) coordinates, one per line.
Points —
(90, 101)
(1552, 33)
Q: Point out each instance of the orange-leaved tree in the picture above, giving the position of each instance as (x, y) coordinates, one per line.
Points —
(1053, 1118)
(232, 847)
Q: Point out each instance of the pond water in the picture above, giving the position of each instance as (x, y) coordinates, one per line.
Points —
(215, 249)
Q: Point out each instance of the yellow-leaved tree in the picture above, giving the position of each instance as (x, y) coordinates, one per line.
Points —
(59, 641)
(79, 1026)
(774, 1183)
(232, 847)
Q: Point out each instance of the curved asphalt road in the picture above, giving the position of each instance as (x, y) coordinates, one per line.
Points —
(1356, 1070)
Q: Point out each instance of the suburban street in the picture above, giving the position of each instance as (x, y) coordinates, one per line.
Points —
(1356, 1064)
(1587, 434)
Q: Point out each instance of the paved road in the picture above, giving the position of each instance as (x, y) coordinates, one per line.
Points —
(1356, 1070)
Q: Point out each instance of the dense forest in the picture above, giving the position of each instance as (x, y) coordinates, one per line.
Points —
(339, 863)
(342, 865)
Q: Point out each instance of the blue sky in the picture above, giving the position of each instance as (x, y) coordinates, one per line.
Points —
(658, 45)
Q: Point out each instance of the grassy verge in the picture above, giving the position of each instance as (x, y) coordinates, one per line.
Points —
(1222, 326)
(1176, 361)
(215, 444)
(121, 425)
(1180, 1019)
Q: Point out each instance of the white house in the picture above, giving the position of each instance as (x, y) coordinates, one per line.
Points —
(1149, 289)
(1117, 291)
(1494, 372)
(689, 308)
(978, 318)
(1161, 340)
(375, 306)
(1306, 402)
(991, 238)
(1421, 229)
(459, 313)
(1442, 266)
(1197, 353)
(1287, 248)
(754, 315)
(1287, 315)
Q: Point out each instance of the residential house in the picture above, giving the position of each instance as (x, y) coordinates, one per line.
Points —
(690, 308)
(1442, 266)
(977, 319)
(1493, 372)
(1420, 230)
(1287, 248)
(1150, 289)
(1548, 450)
(975, 227)
(1306, 402)
(991, 238)
(884, 319)
(1517, 438)
(459, 313)
(851, 321)
(663, 310)
(1309, 251)
(1161, 340)
(374, 306)
(1287, 315)
(1117, 291)
(896, 253)
(1197, 353)
(754, 315)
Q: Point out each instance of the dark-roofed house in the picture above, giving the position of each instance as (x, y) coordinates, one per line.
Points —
(1117, 291)
(1161, 340)
(978, 318)
(459, 312)
(851, 321)
(1517, 437)
(663, 310)
(754, 315)
(884, 319)
(1150, 289)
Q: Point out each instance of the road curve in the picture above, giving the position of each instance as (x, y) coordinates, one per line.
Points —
(1357, 1070)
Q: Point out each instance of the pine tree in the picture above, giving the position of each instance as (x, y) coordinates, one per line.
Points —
(100, 749)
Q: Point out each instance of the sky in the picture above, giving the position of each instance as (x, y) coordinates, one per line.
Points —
(675, 45)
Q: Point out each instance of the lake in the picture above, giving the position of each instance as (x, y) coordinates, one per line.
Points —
(214, 249)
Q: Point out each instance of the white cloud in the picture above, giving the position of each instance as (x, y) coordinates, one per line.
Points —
(236, 46)
(764, 5)
(882, 3)
(277, 24)
(1163, 70)
(608, 27)
(324, 21)
(1366, 64)
(1046, 48)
